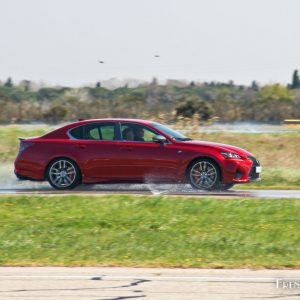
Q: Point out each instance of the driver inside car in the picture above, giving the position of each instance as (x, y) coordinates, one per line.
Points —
(139, 134)
(128, 134)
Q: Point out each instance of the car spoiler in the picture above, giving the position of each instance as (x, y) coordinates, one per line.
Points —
(27, 138)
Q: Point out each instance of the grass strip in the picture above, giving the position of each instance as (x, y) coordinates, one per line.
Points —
(149, 231)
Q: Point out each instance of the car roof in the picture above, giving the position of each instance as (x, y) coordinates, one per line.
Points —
(82, 122)
(62, 131)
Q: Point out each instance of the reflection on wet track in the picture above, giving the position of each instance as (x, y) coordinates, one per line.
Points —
(149, 189)
(10, 185)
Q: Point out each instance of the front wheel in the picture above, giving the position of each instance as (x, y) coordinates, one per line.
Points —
(63, 174)
(204, 174)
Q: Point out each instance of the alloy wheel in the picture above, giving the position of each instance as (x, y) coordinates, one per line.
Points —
(203, 175)
(62, 173)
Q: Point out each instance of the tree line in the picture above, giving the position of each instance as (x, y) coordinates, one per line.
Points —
(208, 101)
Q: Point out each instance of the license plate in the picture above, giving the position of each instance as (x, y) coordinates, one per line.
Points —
(258, 169)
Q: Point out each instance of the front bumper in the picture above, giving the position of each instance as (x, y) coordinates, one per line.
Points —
(241, 170)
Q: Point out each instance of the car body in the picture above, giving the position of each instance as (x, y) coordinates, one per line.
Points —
(129, 150)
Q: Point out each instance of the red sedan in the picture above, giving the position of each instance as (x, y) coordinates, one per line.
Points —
(123, 150)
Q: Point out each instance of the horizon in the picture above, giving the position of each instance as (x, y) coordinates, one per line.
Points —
(113, 83)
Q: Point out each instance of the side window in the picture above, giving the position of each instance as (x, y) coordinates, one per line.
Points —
(136, 132)
(77, 133)
(100, 131)
(94, 134)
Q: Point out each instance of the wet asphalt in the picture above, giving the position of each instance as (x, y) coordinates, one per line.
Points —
(146, 189)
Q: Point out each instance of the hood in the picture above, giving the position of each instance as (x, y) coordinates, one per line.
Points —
(219, 147)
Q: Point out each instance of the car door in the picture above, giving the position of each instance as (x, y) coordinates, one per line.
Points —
(142, 159)
(99, 149)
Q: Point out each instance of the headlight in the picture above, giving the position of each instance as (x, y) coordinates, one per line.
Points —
(230, 155)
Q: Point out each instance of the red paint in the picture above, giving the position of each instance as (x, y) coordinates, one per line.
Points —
(118, 160)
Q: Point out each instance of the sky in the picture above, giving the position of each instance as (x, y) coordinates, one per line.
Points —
(62, 41)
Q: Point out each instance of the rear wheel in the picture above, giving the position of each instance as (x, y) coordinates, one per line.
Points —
(204, 174)
(63, 174)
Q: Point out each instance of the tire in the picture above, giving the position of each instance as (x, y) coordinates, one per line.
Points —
(204, 174)
(63, 174)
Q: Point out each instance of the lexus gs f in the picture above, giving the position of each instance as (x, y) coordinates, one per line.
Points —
(127, 150)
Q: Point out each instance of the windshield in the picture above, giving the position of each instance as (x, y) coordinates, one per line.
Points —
(170, 132)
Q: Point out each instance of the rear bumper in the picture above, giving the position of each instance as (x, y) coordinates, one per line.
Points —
(20, 177)
(26, 170)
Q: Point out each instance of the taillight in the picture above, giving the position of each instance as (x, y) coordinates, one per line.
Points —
(24, 145)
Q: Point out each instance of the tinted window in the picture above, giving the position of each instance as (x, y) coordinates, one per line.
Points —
(99, 131)
(136, 132)
(77, 132)
(94, 131)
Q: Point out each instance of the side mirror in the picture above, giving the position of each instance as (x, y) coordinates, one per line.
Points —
(159, 139)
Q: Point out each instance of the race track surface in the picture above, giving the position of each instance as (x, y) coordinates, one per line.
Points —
(10, 185)
(146, 189)
(93, 283)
